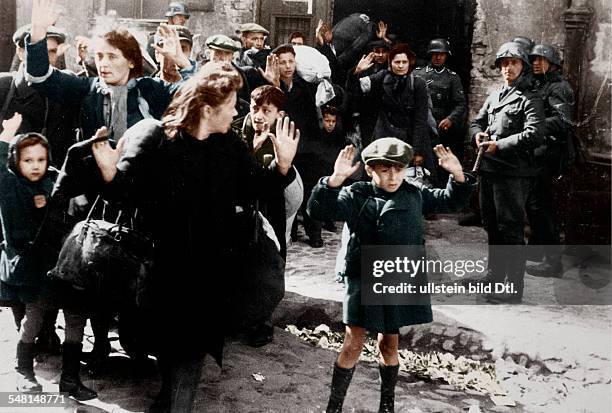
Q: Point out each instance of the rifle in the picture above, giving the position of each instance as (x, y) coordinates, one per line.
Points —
(481, 151)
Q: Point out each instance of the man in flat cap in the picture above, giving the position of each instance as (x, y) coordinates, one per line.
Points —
(54, 120)
(386, 211)
(222, 48)
(254, 50)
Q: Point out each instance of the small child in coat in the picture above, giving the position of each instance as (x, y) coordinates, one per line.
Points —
(386, 211)
(26, 182)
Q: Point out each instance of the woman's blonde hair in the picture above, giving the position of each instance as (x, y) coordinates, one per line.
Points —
(212, 86)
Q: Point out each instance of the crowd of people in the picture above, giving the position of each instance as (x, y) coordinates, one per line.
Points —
(181, 145)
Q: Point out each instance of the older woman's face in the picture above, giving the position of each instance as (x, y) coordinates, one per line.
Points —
(112, 66)
(400, 64)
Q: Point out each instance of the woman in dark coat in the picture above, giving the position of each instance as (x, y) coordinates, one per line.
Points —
(402, 100)
(187, 176)
(117, 99)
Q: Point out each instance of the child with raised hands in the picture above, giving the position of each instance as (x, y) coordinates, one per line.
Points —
(386, 211)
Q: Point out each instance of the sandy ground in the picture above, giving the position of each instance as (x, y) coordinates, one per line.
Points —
(549, 358)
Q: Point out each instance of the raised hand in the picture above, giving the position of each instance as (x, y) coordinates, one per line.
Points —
(106, 157)
(285, 143)
(381, 33)
(449, 162)
(44, 14)
(366, 62)
(82, 46)
(171, 49)
(272, 73)
(10, 127)
(343, 167)
(260, 136)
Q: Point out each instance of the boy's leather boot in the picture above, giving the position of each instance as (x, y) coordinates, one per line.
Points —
(388, 379)
(340, 382)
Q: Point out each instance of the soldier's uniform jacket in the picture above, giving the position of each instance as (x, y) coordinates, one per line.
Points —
(515, 122)
(558, 98)
(446, 93)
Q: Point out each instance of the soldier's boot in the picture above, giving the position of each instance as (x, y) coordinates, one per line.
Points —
(341, 379)
(26, 381)
(388, 379)
(545, 269)
(70, 380)
(551, 266)
(515, 271)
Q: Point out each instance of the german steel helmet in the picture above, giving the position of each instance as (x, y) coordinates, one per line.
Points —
(512, 49)
(175, 8)
(546, 51)
(525, 42)
(439, 46)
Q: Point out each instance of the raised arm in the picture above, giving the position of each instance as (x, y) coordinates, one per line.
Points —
(55, 84)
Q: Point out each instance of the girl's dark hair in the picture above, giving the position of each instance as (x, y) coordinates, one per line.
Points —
(212, 85)
(124, 41)
(269, 95)
(405, 49)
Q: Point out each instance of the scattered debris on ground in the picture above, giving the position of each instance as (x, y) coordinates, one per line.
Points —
(461, 372)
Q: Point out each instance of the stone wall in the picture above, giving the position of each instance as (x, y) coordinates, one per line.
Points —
(595, 114)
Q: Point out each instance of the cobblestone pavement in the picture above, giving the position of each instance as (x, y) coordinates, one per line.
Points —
(548, 358)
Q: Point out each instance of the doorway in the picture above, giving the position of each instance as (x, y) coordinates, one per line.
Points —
(416, 22)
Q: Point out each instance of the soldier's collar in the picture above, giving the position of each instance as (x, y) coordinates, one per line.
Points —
(430, 68)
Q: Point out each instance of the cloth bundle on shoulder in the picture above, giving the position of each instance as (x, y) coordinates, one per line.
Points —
(351, 37)
(314, 68)
(104, 257)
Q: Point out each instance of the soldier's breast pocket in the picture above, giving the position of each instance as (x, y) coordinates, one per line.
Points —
(439, 92)
(511, 117)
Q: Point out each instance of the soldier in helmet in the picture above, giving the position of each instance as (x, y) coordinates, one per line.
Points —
(551, 157)
(524, 42)
(177, 13)
(507, 129)
(446, 92)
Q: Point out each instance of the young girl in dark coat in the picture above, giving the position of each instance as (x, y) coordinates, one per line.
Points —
(25, 186)
(387, 211)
